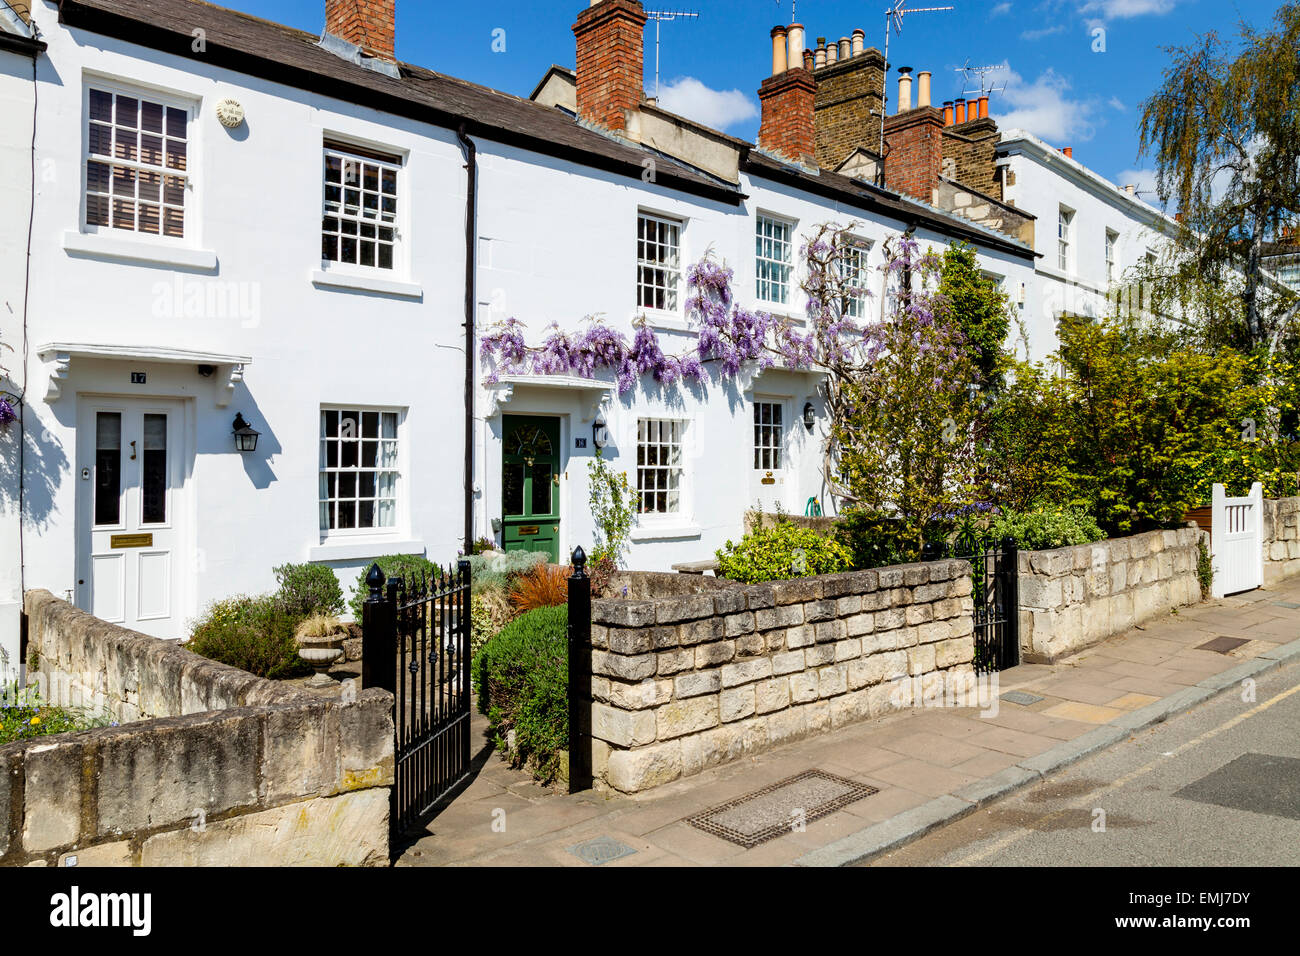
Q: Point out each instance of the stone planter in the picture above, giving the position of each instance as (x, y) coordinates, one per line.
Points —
(321, 653)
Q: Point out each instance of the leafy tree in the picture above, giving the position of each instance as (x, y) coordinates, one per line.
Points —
(978, 308)
(1225, 133)
(1028, 430)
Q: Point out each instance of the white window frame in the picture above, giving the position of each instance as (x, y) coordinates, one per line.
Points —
(759, 260)
(769, 436)
(169, 99)
(1064, 237)
(861, 249)
(400, 468)
(642, 429)
(674, 293)
(1112, 255)
(386, 159)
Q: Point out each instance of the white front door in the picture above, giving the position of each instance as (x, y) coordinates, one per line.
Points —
(767, 482)
(130, 477)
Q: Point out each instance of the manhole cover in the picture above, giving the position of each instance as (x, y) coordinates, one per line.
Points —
(1260, 783)
(1020, 697)
(1288, 604)
(1222, 644)
(601, 850)
(781, 808)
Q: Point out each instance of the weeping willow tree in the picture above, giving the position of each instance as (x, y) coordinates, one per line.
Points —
(1224, 130)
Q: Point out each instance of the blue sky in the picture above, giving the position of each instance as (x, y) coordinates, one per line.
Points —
(1056, 85)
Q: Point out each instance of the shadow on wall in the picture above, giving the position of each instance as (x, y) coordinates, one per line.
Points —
(256, 463)
(44, 463)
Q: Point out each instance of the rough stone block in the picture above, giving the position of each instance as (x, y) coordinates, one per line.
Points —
(770, 695)
(832, 680)
(851, 707)
(866, 671)
(743, 672)
(784, 616)
(828, 632)
(366, 741)
(632, 771)
(759, 596)
(52, 796)
(801, 636)
(848, 605)
(954, 652)
(787, 724)
(737, 624)
(818, 654)
(930, 592)
(919, 613)
(920, 660)
(890, 619)
(623, 728)
(752, 645)
(676, 660)
(300, 753)
(803, 687)
(643, 696)
(629, 640)
(728, 601)
(687, 716)
(698, 632)
(718, 652)
(736, 703)
(689, 607)
(696, 683)
(797, 591)
(848, 649)
(347, 830)
(788, 662)
(815, 611)
(859, 624)
(915, 575)
(623, 613)
(623, 667)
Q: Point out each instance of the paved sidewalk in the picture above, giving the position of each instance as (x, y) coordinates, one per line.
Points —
(928, 765)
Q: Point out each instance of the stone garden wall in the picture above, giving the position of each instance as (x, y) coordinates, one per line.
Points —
(211, 766)
(1281, 538)
(1071, 598)
(686, 682)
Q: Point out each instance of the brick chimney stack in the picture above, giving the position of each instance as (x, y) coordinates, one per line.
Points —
(788, 98)
(611, 62)
(368, 24)
(914, 150)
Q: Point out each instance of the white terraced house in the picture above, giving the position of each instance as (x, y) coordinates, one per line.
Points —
(257, 257)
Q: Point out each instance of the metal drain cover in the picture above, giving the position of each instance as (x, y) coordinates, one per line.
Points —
(1020, 697)
(1222, 645)
(781, 808)
(601, 850)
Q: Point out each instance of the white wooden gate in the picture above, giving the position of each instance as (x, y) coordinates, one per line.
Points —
(1237, 541)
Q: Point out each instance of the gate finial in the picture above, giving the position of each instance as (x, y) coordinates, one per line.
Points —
(375, 581)
(579, 562)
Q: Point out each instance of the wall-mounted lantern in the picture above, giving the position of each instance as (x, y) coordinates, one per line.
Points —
(600, 433)
(809, 416)
(245, 434)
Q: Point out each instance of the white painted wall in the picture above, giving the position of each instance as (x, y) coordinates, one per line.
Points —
(16, 88)
(1045, 180)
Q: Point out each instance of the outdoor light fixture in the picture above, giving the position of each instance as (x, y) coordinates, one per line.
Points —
(600, 434)
(809, 416)
(245, 434)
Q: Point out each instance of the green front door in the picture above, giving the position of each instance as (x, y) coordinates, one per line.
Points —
(530, 485)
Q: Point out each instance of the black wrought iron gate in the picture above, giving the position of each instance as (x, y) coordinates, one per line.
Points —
(415, 639)
(995, 591)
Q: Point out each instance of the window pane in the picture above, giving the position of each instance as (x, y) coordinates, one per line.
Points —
(513, 489)
(153, 470)
(108, 462)
(541, 489)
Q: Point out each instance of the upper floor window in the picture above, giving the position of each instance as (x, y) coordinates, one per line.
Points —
(1064, 229)
(659, 465)
(137, 167)
(1112, 241)
(658, 262)
(853, 273)
(360, 223)
(773, 252)
(358, 469)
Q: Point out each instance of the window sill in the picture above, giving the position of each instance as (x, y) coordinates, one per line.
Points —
(344, 549)
(100, 246)
(669, 321)
(664, 532)
(344, 280)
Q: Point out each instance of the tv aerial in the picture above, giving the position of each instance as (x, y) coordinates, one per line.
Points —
(894, 18)
(983, 73)
(661, 17)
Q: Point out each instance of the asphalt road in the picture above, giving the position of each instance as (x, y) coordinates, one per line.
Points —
(1216, 786)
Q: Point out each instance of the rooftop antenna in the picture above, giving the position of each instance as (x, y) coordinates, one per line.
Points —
(983, 72)
(665, 16)
(894, 18)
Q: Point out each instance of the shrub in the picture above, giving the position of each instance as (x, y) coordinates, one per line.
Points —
(521, 678)
(307, 589)
(781, 552)
(490, 610)
(500, 569)
(408, 566)
(254, 634)
(318, 625)
(546, 585)
(1047, 528)
(613, 508)
(24, 715)
(1204, 568)
(481, 545)
(875, 540)
(600, 570)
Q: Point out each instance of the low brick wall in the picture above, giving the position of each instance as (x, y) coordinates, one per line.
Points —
(212, 766)
(688, 682)
(1281, 538)
(1071, 598)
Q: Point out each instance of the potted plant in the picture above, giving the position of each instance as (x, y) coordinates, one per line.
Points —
(320, 643)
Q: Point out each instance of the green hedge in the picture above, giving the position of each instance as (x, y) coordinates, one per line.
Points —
(1045, 528)
(307, 589)
(521, 677)
(408, 566)
(782, 552)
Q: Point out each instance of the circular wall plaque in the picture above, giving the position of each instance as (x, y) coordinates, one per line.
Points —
(230, 113)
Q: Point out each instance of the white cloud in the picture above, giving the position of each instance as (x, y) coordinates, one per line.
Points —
(1117, 104)
(1125, 9)
(1000, 10)
(719, 109)
(1144, 179)
(1044, 107)
(1032, 35)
